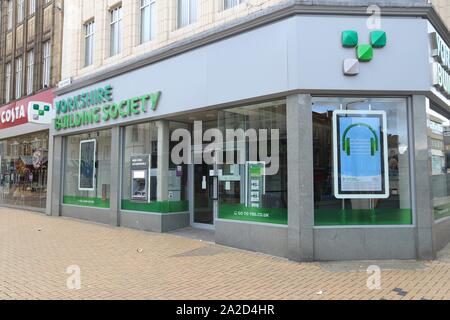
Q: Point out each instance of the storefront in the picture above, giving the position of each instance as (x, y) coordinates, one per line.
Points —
(24, 146)
(310, 148)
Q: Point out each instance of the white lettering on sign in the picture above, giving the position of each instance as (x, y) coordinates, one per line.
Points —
(440, 69)
(13, 114)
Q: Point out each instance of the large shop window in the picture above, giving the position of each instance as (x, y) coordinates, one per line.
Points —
(87, 169)
(253, 185)
(361, 162)
(23, 174)
(150, 181)
(439, 145)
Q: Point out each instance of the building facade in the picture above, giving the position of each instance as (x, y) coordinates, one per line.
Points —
(30, 66)
(323, 141)
(443, 9)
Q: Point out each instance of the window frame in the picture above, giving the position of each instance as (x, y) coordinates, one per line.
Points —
(89, 33)
(46, 63)
(190, 18)
(150, 5)
(31, 7)
(8, 78)
(18, 77)
(115, 30)
(225, 7)
(20, 11)
(30, 72)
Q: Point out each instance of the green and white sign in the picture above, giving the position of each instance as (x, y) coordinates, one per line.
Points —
(98, 106)
(255, 184)
(364, 51)
(441, 67)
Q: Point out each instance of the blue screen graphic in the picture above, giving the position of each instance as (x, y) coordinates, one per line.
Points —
(360, 154)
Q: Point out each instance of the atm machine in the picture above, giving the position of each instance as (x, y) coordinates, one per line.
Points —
(140, 182)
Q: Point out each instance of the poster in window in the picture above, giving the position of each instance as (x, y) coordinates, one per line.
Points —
(86, 174)
(360, 155)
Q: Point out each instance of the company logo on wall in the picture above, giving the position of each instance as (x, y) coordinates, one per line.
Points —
(40, 112)
(364, 52)
(36, 109)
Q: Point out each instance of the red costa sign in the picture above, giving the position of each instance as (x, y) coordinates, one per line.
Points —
(34, 109)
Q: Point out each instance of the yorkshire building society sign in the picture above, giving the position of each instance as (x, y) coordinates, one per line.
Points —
(98, 106)
(441, 67)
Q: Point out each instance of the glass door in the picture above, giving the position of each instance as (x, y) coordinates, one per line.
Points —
(203, 212)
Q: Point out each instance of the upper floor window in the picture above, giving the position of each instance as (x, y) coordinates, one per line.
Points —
(187, 12)
(20, 10)
(31, 7)
(8, 82)
(46, 64)
(116, 31)
(30, 72)
(19, 78)
(89, 43)
(231, 3)
(10, 14)
(148, 20)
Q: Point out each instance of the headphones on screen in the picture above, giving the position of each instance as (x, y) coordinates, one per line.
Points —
(374, 143)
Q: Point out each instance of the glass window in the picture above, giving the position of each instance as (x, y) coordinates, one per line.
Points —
(439, 138)
(148, 20)
(187, 12)
(87, 169)
(23, 170)
(151, 182)
(19, 78)
(374, 194)
(10, 14)
(231, 3)
(116, 31)
(89, 43)
(46, 64)
(20, 10)
(31, 7)
(253, 180)
(30, 72)
(8, 82)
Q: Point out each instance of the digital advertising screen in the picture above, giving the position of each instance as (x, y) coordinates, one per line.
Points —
(86, 176)
(360, 154)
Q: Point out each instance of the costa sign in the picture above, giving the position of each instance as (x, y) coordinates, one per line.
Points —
(35, 109)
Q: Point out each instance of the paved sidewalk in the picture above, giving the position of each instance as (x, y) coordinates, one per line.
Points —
(118, 263)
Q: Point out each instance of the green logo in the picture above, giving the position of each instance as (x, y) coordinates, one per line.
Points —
(364, 52)
(40, 112)
(374, 143)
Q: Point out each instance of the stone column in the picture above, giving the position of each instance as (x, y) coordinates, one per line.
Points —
(55, 175)
(422, 181)
(163, 160)
(116, 171)
(301, 178)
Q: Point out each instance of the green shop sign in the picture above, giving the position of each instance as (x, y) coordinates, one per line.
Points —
(441, 67)
(98, 106)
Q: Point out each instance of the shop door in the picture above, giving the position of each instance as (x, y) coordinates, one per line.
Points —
(204, 200)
